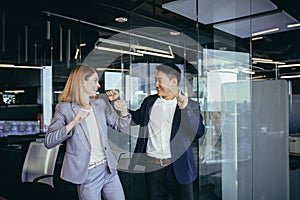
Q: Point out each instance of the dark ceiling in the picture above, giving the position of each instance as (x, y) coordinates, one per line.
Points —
(32, 14)
(284, 46)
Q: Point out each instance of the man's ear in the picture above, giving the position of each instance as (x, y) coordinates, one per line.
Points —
(174, 81)
(83, 83)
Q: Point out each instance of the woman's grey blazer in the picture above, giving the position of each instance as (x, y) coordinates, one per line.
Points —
(77, 155)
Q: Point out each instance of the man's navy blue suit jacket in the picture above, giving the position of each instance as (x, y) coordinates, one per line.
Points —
(187, 125)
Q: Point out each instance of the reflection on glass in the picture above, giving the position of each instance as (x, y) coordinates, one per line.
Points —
(10, 128)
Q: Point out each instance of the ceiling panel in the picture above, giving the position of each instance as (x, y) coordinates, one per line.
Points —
(246, 27)
(225, 10)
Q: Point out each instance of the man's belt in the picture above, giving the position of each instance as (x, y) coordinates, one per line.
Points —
(161, 162)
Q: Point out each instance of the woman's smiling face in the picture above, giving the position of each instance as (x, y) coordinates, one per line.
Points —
(91, 85)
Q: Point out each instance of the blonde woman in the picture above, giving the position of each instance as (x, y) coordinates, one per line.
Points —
(82, 122)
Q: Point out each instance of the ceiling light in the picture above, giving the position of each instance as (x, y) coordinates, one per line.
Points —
(290, 76)
(121, 19)
(82, 44)
(108, 41)
(293, 25)
(174, 33)
(138, 50)
(289, 65)
(223, 48)
(118, 51)
(268, 61)
(258, 77)
(110, 69)
(133, 46)
(247, 71)
(167, 55)
(235, 71)
(265, 31)
(256, 67)
(57, 92)
(155, 54)
(6, 65)
(19, 66)
(76, 54)
(14, 91)
(261, 59)
(257, 38)
(154, 49)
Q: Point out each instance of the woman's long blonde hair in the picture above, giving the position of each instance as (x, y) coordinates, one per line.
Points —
(73, 91)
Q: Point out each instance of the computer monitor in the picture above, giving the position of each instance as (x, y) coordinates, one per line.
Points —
(9, 98)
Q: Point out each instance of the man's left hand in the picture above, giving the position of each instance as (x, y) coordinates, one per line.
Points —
(182, 101)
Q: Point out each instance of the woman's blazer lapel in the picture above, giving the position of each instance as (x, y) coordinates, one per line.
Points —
(83, 135)
(101, 122)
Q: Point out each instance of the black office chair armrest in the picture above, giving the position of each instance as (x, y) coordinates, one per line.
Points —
(120, 155)
(37, 179)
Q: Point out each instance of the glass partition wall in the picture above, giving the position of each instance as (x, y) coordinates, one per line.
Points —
(202, 39)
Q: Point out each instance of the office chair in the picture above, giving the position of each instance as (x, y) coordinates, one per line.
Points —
(37, 173)
(39, 164)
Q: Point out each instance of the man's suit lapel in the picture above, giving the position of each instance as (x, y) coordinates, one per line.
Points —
(175, 123)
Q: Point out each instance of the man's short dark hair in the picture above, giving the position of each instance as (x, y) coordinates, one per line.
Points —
(170, 69)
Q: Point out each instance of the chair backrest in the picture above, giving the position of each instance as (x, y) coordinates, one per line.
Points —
(39, 161)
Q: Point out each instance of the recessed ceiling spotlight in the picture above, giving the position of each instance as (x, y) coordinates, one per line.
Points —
(121, 19)
(223, 48)
(174, 33)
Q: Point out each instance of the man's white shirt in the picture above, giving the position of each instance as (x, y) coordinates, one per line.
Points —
(160, 126)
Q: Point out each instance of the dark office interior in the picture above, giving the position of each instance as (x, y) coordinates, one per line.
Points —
(62, 34)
